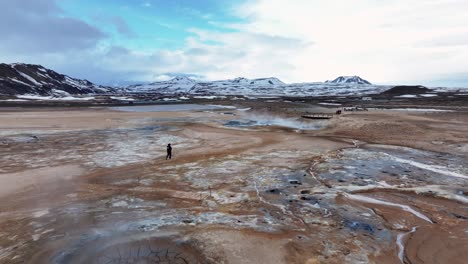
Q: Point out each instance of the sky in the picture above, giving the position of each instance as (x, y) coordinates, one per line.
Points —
(130, 41)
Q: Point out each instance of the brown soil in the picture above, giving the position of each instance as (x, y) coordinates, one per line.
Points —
(216, 197)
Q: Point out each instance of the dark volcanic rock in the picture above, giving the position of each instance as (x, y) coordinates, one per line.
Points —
(406, 89)
(19, 78)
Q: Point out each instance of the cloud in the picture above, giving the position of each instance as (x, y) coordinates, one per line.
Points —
(248, 54)
(32, 26)
(206, 55)
(146, 4)
(122, 26)
(386, 41)
(211, 55)
(117, 22)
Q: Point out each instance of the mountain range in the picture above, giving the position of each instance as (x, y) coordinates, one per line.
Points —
(20, 79)
(263, 86)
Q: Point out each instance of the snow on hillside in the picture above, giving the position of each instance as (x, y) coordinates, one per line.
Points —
(349, 80)
(244, 86)
(35, 80)
(179, 84)
(20, 78)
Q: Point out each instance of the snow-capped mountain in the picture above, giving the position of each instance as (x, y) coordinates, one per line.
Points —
(259, 87)
(19, 78)
(264, 81)
(184, 84)
(350, 80)
(182, 79)
(178, 84)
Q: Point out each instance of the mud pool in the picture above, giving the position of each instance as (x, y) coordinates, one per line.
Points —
(105, 194)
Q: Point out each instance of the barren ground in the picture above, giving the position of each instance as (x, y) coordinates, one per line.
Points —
(91, 185)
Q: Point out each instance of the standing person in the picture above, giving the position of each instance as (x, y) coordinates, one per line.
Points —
(169, 152)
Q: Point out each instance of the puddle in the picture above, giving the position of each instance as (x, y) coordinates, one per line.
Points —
(241, 123)
(255, 121)
(359, 226)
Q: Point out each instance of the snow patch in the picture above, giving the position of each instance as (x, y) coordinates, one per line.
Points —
(406, 96)
(434, 168)
(401, 247)
(206, 97)
(18, 81)
(40, 213)
(224, 106)
(122, 98)
(406, 208)
(420, 110)
(51, 98)
(15, 100)
(325, 103)
(29, 78)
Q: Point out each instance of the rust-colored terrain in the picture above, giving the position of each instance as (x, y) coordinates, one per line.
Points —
(258, 185)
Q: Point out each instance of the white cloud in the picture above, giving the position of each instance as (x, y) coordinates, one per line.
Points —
(385, 41)
(31, 27)
(208, 54)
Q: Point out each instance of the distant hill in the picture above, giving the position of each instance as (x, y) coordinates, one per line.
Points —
(406, 89)
(349, 80)
(20, 78)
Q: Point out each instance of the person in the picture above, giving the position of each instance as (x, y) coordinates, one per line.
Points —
(169, 152)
